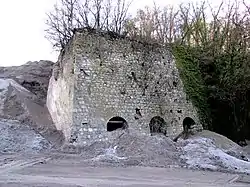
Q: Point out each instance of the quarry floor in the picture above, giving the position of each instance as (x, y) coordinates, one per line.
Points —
(54, 170)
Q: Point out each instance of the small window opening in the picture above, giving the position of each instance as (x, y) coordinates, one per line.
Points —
(175, 84)
(137, 114)
(138, 111)
(179, 111)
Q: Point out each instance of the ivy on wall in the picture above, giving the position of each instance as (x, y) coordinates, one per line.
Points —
(188, 66)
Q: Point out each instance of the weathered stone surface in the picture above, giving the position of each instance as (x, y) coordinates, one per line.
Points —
(99, 77)
(33, 76)
(17, 103)
(60, 94)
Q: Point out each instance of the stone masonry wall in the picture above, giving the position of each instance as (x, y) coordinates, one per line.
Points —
(114, 77)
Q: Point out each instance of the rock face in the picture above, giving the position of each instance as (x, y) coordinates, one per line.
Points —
(102, 82)
(18, 103)
(34, 76)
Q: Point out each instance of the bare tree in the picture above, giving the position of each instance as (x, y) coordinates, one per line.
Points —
(60, 23)
(109, 15)
(247, 6)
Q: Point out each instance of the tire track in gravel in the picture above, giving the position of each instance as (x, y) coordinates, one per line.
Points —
(15, 165)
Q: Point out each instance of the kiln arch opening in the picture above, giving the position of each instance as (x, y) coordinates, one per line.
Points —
(158, 125)
(116, 123)
(188, 123)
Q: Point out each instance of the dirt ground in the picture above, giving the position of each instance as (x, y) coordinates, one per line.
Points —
(54, 170)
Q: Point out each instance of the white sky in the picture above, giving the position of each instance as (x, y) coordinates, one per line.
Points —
(22, 29)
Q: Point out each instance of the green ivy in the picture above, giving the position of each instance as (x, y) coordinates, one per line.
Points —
(188, 66)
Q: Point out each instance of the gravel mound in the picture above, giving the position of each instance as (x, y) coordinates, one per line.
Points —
(131, 149)
(220, 141)
(16, 137)
(204, 153)
(155, 151)
(18, 103)
(225, 144)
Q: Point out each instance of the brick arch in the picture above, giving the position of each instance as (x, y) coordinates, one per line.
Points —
(158, 124)
(115, 123)
(188, 123)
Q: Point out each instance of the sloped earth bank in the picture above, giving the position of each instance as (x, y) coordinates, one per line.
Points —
(34, 76)
(134, 149)
(198, 152)
(19, 104)
(208, 150)
(16, 137)
(201, 153)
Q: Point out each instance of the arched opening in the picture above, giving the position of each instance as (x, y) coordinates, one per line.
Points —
(158, 125)
(188, 123)
(116, 123)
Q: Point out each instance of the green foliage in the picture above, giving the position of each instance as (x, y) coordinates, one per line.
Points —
(213, 59)
(230, 97)
(188, 65)
(218, 84)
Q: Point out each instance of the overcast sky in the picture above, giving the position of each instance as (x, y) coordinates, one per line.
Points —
(22, 29)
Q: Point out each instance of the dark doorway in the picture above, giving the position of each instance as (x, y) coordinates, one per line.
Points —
(158, 125)
(188, 123)
(116, 123)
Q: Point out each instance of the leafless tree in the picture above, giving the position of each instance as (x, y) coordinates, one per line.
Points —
(247, 6)
(109, 15)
